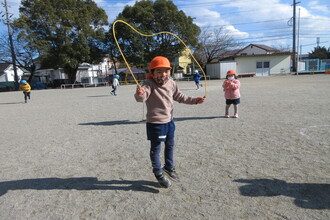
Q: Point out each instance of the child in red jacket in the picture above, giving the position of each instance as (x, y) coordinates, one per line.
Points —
(232, 94)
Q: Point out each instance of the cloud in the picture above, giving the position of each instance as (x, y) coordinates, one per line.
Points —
(310, 22)
(235, 32)
(206, 17)
(113, 10)
(315, 5)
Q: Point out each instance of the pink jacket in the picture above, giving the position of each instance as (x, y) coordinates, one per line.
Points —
(231, 88)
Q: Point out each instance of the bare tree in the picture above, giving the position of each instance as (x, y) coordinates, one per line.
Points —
(5, 55)
(25, 54)
(213, 43)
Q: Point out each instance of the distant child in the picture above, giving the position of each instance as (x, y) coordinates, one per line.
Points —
(197, 78)
(232, 94)
(159, 92)
(115, 84)
(26, 88)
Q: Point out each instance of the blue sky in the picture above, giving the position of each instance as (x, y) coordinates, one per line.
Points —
(258, 21)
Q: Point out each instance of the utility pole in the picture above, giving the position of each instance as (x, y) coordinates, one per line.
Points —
(11, 44)
(298, 43)
(294, 66)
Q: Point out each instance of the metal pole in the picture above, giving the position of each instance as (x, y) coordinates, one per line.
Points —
(13, 55)
(298, 43)
(294, 66)
(294, 38)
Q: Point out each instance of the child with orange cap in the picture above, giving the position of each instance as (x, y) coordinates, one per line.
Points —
(232, 94)
(159, 92)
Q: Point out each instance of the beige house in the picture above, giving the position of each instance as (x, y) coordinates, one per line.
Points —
(264, 65)
(258, 60)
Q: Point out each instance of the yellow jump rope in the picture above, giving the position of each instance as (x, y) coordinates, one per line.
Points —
(152, 35)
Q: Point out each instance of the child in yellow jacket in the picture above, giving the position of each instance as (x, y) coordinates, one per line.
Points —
(26, 88)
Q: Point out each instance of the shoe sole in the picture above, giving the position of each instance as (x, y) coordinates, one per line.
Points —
(171, 178)
(166, 187)
(163, 186)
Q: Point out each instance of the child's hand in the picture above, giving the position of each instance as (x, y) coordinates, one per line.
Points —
(200, 100)
(140, 91)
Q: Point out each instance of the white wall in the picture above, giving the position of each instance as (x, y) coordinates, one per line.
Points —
(279, 64)
(9, 75)
(89, 73)
(219, 70)
(246, 65)
(301, 66)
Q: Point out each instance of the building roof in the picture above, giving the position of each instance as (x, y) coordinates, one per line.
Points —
(270, 51)
(3, 67)
(265, 47)
(267, 54)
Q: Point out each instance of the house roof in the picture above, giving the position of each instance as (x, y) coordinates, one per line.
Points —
(3, 67)
(271, 54)
(270, 51)
(265, 47)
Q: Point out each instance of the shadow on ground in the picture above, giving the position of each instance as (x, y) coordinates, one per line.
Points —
(80, 183)
(109, 123)
(98, 96)
(11, 103)
(128, 122)
(306, 195)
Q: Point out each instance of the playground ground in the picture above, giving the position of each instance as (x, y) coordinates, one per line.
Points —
(83, 154)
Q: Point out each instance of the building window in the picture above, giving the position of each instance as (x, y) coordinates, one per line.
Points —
(259, 65)
(266, 64)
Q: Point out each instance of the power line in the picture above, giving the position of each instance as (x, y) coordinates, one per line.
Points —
(245, 23)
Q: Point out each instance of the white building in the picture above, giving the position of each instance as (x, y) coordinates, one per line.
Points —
(94, 73)
(255, 59)
(219, 70)
(7, 72)
(49, 75)
(86, 73)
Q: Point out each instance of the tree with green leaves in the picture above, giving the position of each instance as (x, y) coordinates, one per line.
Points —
(319, 53)
(150, 17)
(65, 32)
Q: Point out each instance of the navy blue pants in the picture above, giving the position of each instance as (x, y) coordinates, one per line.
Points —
(26, 95)
(158, 133)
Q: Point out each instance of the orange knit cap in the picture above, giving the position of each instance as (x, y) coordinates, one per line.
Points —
(159, 61)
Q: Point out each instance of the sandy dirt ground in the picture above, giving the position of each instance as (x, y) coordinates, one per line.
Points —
(83, 154)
